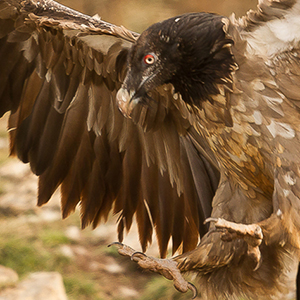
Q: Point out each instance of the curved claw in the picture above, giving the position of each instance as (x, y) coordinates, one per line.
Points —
(193, 289)
(208, 220)
(136, 256)
(123, 249)
(115, 244)
(257, 266)
(255, 255)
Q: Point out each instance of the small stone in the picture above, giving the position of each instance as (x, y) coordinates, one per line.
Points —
(49, 215)
(15, 169)
(8, 277)
(67, 251)
(39, 285)
(80, 250)
(114, 268)
(128, 292)
(73, 233)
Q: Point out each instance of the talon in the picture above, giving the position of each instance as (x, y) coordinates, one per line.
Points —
(123, 249)
(255, 254)
(208, 220)
(193, 289)
(116, 244)
(136, 256)
(257, 266)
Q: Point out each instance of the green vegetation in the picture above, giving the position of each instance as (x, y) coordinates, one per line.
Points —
(31, 247)
(52, 238)
(21, 256)
(162, 289)
(78, 287)
(37, 247)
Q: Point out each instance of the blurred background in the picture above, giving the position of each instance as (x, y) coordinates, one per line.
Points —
(35, 239)
(137, 15)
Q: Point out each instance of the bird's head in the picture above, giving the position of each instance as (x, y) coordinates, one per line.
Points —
(189, 51)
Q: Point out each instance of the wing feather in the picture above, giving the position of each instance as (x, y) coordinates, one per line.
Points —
(75, 182)
(67, 144)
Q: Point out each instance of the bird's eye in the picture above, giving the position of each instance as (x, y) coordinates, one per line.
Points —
(149, 59)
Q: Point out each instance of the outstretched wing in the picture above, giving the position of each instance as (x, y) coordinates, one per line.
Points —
(59, 74)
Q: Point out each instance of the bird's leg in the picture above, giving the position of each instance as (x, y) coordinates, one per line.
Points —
(166, 267)
(252, 234)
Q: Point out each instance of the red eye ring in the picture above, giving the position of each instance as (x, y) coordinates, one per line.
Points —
(149, 59)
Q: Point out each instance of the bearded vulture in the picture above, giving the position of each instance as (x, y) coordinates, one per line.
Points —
(192, 128)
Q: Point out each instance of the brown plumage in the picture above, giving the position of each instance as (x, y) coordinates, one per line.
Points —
(212, 110)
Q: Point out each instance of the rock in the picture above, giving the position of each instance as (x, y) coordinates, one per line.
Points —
(48, 214)
(106, 232)
(39, 285)
(4, 144)
(73, 233)
(114, 268)
(128, 292)
(16, 201)
(66, 250)
(8, 277)
(108, 264)
(15, 170)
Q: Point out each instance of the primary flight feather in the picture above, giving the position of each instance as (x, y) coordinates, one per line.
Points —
(196, 118)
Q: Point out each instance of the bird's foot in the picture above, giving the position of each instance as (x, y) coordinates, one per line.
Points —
(166, 267)
(251, 234)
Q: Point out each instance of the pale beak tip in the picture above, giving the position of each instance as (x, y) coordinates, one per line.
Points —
(124, 101)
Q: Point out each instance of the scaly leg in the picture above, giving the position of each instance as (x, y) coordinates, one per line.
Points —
(166, 267)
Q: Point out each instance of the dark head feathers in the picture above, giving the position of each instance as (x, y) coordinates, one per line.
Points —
(192, 54)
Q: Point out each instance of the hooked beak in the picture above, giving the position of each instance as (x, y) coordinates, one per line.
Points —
(126, 101)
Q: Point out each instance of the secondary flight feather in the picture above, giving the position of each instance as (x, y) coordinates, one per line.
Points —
(197, 117)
